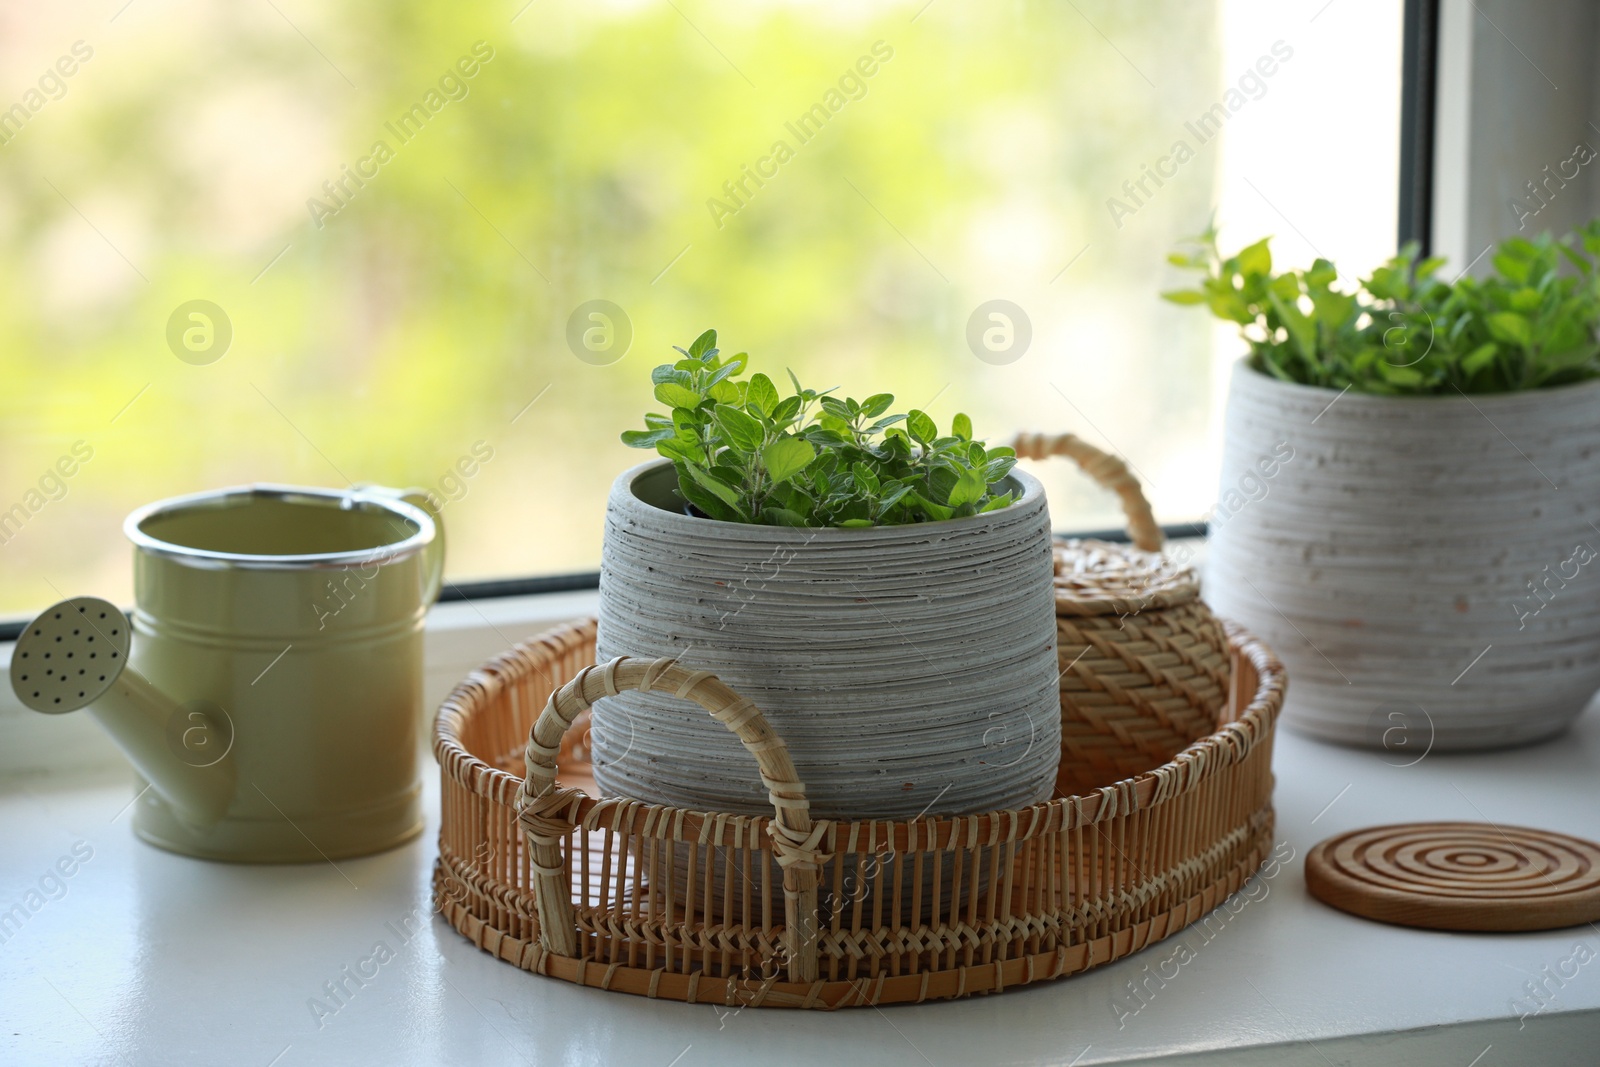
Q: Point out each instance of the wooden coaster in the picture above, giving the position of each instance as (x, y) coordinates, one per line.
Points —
(1459, 876)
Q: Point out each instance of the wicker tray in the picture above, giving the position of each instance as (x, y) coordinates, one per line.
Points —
(617, 894)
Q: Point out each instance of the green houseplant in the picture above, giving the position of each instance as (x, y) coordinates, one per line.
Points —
(1418, 556)
(881, 591)
(745, 454)
(1406, 332)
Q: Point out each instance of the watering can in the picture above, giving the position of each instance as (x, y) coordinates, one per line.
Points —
(268, 685)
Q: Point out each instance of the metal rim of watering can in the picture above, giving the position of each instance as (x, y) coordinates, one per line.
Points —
(427, 528)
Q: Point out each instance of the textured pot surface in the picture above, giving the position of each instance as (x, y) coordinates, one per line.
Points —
(910, 669)
(1426, 566)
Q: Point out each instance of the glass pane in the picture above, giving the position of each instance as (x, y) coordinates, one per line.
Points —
(332, 243)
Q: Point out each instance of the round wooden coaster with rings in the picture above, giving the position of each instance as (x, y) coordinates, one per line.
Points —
(1459, 876)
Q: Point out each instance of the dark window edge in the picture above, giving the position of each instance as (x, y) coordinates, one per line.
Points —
(572, 583)
(1419, 69)
(504, 587)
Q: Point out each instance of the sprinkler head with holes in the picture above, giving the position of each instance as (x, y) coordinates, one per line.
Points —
(75, 655)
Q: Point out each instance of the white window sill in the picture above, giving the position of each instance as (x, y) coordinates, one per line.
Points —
(155, 958)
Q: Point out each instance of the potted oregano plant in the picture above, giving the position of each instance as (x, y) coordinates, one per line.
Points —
(880, 589)
(1423, 560)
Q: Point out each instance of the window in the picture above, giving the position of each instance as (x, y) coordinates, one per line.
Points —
(323, 243)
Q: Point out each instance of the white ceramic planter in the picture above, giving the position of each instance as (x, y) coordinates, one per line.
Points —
(1426, 566)
(910, 669)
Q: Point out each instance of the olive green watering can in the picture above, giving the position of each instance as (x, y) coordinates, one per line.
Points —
(268, 686)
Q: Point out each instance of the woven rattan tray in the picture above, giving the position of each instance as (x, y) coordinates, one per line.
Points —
(618, 894)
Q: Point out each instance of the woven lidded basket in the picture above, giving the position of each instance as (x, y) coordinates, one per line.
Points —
(618, 894)
(1144, 663)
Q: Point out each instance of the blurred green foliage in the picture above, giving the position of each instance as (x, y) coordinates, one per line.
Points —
(422, 317)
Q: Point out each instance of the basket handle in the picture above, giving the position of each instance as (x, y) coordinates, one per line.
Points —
(544, 810)
(1108, 471)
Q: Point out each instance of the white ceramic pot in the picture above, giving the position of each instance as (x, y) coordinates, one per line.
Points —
(910, 669)
(1426, 566)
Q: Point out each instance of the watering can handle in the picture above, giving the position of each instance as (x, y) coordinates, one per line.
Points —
(424, 501)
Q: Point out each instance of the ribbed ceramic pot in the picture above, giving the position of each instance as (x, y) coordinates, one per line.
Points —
(910, 669)
(1426, 566)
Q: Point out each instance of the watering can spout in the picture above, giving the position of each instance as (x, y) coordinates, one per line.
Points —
(75, 655)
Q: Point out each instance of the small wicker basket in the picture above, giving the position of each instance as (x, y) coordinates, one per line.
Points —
(1144, 662)
(618, 894)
